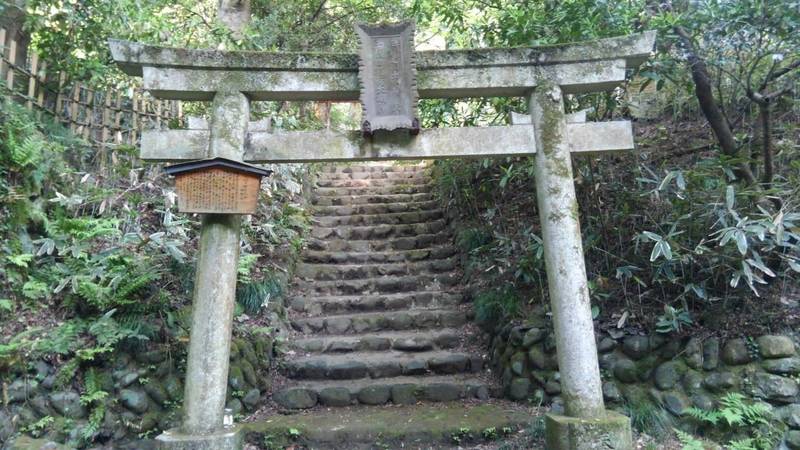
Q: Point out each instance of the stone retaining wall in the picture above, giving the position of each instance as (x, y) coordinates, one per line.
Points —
(145, 393)
(675, 373)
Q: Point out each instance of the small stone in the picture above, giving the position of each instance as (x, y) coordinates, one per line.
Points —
(414, 367)
(236, 378)
(296, 398)
(449, 364)
(20, 390)
(518, 363)
(251, 399)
(413, 344)
(792, 439)
(775, 346)
(667, 375)
(775, 388)
(703, 401)
(68, 404)
(636, 347)
(675, 403)
(607, 360)
(692, 381)
(518, 389)
(134, 399)
(340, 347)
(442, 392)
(532, 336)
(374, 395)
(374, 343)
(611, 392)
(385, 369)
(128, 379)
(720, 382)
(791, 415)
(334, 396)
(625, 371)
(337, 325)
(157, 392)
(482, 392)
(541, 360)
(694, 353)
(782, 366)
(670, 350)
(735, 352)
(404, 394)
(552, 387)
(347, 370)
(174, 388)
(235, 405)
(606, 345)
(711, 353)
(40, 404)
(515, 337)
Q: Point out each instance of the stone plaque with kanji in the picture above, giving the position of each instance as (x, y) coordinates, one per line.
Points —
(387, 74)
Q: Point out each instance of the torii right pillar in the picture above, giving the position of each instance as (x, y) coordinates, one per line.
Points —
(586, 423)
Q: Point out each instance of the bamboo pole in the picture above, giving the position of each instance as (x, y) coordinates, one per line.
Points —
(59, 108)
(12, 58)
(73, 108)
(32, 81)
(2, 51)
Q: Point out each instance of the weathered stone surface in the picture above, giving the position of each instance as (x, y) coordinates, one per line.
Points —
(693, 353)
(236, 378)
(552, 387)
(442, 392)
(518, 389)
(613, 432)
(775, 346)
(541, 360)
(675, 402)
(374, 395)
(792, 439)
(782, 366)
(449, 364)
(134, 399)
(414, 367)
(157, 392)
(404, 394)
(68, 404)
(636, 347)
(703, 401)
(532, 336)
(227, 439)
(735, 352)
(692, 381)
(518, 363)
(251, 399)
(20, 390)
(413, 344)
(611, 392)
(775, 388)
(295, 398)
(790, 415)
(625, 371)
(667, 375)
(385, 369)
(334, 396)
(720, 381)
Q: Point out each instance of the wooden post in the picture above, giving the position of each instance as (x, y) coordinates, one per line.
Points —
(40, 81)
(32, 81)
(88, 131)
(118, 120)
(2, 51)
(134, 118)
(73, 108)
(12, 58)
(59, 108)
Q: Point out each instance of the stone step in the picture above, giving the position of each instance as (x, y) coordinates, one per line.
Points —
(373, 175)
(420, 242)
(386, 284)
(354, 168)
(316, 306)
(371, 322)
(374, 190)
(405, 341)
(384, 231)
(326, 272)
(401, 390)
(373, 182)
(412, 427)
(383, 364)
(426, 254)
(375, 208)
(369, 199)
(379, 219)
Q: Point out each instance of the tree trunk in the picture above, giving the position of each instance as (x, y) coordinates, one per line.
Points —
(766, 144)
(705, 96)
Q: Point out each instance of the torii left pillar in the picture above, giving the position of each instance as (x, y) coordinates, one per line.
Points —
(213, 302)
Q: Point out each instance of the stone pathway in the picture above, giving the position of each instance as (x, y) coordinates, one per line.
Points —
(376, 304)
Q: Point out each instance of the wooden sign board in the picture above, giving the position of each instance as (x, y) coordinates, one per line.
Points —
(217, 186)
(387, 75)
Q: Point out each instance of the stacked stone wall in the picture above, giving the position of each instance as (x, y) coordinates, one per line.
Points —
(673, 373)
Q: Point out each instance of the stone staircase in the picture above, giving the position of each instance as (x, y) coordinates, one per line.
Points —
(376, 305)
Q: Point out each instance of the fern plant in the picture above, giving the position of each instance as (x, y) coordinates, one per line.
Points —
(738, 416)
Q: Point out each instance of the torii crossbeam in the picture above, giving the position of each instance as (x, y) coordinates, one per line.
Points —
(542, 74)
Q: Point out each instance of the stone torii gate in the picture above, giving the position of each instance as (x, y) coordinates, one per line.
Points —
(231, 80)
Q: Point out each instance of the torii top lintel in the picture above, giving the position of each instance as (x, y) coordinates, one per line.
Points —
(185, 74)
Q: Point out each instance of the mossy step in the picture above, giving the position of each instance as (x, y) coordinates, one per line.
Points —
(404, 341)
(422, 241)
(371, 168)
(373, 190)
(427, 254)
(343, 304)
(376, 208)
(327, 272)
(373, 182)
(427, 426)
(421, 319)
(383, 285)
(374, 175)
(382, 364)
(379, 219)
(383, 231)
(370, 199)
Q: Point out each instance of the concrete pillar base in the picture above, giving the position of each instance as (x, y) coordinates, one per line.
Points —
(613, 431)
(227, 439)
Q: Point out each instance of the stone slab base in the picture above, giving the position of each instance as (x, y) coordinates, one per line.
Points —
(613, 431)
(175, 439)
